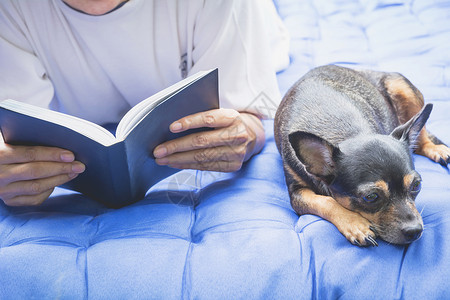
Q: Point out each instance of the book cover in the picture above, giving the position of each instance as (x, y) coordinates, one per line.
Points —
(120, 173)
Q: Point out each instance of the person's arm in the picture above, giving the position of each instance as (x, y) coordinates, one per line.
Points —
(28, 175)
(232, 36)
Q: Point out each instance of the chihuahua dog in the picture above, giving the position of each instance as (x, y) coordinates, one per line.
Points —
(346, 138)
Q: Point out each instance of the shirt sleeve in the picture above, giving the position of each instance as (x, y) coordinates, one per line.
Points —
(232, 36)
(22, 76)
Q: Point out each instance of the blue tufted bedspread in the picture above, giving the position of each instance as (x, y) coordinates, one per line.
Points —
(234, 236)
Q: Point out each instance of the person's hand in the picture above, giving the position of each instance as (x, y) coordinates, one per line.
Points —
(28, 175)
(235, 138)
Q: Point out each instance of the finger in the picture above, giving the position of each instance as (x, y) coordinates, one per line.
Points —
(229, 136)
(221, 117)
(29, 200)
(20, 154)
(32, 190)
(37, 170)
(223, 153)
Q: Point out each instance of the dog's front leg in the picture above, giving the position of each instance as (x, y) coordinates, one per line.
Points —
(357, 229)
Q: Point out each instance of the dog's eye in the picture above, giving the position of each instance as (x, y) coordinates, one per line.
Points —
(416, 186)
(370, 197)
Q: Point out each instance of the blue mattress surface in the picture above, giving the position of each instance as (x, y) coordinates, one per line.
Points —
(210, 235)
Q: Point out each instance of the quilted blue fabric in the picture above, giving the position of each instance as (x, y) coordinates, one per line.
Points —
(209, 235)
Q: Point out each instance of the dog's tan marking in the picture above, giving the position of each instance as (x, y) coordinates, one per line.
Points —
(380, 187)
(383, 186)
(388, 222)
(434, 152)
(343, 200)
(323, 206)
(408, 101)
(351, 224)
(412, 206)
(408, 180)
(294, 175)
(376, 217)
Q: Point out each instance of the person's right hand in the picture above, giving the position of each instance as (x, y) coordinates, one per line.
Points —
(28, 175)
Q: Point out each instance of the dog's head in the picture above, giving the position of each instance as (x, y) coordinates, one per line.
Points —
(373, 175)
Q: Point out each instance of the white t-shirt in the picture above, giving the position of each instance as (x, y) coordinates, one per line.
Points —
(97, 67)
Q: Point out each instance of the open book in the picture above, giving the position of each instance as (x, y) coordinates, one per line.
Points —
(121, 168)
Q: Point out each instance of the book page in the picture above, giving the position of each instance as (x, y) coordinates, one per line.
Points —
(140, 110)
(84, 127)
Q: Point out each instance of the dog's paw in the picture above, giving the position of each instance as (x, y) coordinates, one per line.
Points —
(358, 230)
(437, 153)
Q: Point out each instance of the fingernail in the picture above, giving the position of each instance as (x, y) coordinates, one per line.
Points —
(73, 175)
(160, 152)
(176, 126)
(67, 156)
(78, 167)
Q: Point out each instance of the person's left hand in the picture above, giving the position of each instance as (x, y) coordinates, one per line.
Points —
(235, 138)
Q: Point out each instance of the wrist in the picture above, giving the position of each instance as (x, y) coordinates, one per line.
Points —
(256, 130)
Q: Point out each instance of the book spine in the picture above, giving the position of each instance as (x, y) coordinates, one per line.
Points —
(106, 178)
(119, 174)
(143, 170)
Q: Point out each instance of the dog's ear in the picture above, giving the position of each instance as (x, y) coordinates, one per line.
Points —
(409, 131)
(315, 153)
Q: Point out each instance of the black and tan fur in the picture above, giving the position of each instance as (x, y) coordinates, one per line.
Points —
(346, 139)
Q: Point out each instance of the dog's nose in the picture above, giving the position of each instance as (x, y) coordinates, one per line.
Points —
(412, 233)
